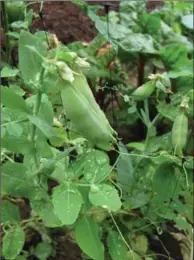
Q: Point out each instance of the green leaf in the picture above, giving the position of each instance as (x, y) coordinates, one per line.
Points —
(13, 243)
(95, 44)
(96, 166)
(137, 198)
(46, 109)
(61, 172)
(157, 143)
(171, 57)
(43, 207)
(60, 137)
(20, 257)
(181, 222)
(43, 148)
(43, 250)
(13, 174)
(117, 248)
(8, 72)
(12, 100)
(116, 31)
(12, 115)
(9, 212)
(42, 125)
(125, 169)
(19, 25)
(87, 237)
(150, 23)
(168, 111)
(166, 213)
(67, 202)
(132, 255)
(137, 42)
(128, 6)
(183, 68)
(17, 89)
(49, 165)
(93, 164)
(139, 243)
(138, 146)
(180, 73)
(3, 131)
(14, 129)
(29, 16)
(52, 84)
(184, 209)
(84, 190)
(187, 20)
(13, 34)
(105, 196)
(164, 182)
(17, 145)
(30, 63)
(43, 37)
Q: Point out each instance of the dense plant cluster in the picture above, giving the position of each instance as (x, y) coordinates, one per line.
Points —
(97, 138)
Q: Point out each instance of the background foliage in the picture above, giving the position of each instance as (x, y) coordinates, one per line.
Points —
(113, 204)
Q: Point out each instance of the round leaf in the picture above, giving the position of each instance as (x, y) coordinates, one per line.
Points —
(139, 243)
(43, 250)
(93, 164)
(105, 196)
(13, 243)
(67, 202)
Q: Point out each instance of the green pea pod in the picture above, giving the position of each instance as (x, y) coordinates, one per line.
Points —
(180, 133)
(85, 121)
(15, 10)
(82, 86)
(144, 91)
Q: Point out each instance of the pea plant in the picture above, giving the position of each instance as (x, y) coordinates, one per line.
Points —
(66, 166)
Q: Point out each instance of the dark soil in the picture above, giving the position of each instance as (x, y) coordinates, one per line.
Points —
(67, 21)
(64, 20)
(65, 249)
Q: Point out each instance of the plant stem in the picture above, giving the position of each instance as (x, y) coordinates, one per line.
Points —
(36, 110)
(13, 122)
(33, 219)
(9, 158)
(149, 125)
(6, 29)
(33, 131)
(146, 108)
(157, 117)
(141, 70)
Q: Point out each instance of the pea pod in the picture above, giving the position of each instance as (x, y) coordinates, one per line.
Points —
(82, 86)
(180, 133)
(15, 10)
(85, 121)
(144, 91)
(79, 82)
